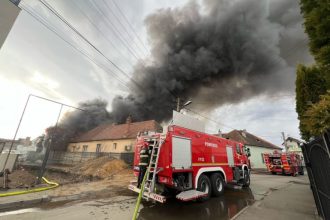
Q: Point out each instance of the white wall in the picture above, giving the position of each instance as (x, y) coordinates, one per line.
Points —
(256, 156)
(293, 146)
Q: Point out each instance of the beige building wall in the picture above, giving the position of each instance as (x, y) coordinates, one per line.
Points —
(109, 146)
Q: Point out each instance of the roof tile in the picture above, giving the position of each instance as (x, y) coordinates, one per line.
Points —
(249, 139)
(121, 131)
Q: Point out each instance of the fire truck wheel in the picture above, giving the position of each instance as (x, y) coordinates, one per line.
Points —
(204, 185)
(246, 179)
(217, 184)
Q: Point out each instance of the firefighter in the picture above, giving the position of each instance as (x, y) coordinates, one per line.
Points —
(144, 162)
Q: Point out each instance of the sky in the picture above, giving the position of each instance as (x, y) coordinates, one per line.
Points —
(34, 60)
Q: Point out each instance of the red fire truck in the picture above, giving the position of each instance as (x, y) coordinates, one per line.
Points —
(284, 163)
(191, 165)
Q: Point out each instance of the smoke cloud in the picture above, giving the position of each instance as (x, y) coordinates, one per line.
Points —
(76, 122)
(215, 53)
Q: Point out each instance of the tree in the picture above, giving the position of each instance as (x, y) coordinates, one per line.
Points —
(316, 14)
(313, 82)
(317, 118)
(310, 84)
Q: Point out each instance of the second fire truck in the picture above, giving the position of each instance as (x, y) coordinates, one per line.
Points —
(284, 163)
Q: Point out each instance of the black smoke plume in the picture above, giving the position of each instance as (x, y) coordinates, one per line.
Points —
(215, 53)
(77, 122)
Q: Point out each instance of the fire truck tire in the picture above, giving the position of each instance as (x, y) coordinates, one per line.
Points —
(217, 184)
(204, 185)
(246, 179)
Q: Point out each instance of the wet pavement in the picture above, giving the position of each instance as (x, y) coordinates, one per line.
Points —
(224, 207)
(122, 207)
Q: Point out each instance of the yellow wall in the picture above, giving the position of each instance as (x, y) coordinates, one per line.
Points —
(106, 146)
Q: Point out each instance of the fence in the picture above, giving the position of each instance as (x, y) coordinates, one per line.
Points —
(71, 158)
(317, 159)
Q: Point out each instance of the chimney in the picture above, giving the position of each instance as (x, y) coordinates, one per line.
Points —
(129, 120)
(219, 133)
(244, 133)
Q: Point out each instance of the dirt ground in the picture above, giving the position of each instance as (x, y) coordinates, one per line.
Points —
(21, 178)
(114, 185)
(93, 175)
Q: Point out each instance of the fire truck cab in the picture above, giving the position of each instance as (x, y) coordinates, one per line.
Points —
(284, 163)
(193, 165)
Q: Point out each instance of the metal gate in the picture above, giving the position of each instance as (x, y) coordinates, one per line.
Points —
(317, 158)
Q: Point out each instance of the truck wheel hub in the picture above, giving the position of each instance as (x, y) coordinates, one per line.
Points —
(219, 184)
(204, 187)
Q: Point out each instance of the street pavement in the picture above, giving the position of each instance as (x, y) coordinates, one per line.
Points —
(280, 197)
(275, 197)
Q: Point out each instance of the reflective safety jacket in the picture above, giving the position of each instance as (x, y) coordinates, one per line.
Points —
(144, 157)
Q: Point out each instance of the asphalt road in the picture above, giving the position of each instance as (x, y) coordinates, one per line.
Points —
(121, 207)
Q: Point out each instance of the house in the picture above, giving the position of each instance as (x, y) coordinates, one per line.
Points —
(112, 138)
(257, 145)
(293, 145)
(5, 144)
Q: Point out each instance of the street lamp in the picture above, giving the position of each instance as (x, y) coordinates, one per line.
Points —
(187, 103)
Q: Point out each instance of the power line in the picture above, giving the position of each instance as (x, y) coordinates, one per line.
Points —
(132, 28)
(25, 7)
(218, 123)
(41, 20)
(98, 29)
(49, 7)
(124, 28)
(115, 31)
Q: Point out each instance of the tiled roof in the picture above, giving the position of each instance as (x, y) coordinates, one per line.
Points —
(121, 131)
(249, 139)
(294, 139)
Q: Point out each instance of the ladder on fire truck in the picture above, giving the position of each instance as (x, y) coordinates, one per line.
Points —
(148, 183)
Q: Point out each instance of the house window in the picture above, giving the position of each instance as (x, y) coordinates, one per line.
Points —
(98, 148)
(128, 147)
(85, 148)
(262, 158)
(114, 146)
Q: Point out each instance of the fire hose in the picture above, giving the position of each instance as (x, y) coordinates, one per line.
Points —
(138, 202)
(50, 183)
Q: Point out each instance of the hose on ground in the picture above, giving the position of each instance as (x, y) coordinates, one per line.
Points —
(50, 183)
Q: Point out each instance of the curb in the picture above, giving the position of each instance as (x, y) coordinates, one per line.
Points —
(43, 199)
(23, 203)
(240, 212)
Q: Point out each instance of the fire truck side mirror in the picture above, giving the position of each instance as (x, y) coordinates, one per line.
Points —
(248, 152)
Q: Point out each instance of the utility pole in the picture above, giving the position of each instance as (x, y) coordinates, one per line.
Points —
(178, 104)
(284, 141)
(48, 148)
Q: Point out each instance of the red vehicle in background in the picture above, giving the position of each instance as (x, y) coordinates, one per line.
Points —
(191, 164)
(284, 163)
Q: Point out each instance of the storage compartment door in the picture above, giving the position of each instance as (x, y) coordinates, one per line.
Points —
(181, 153)
(230, 155)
